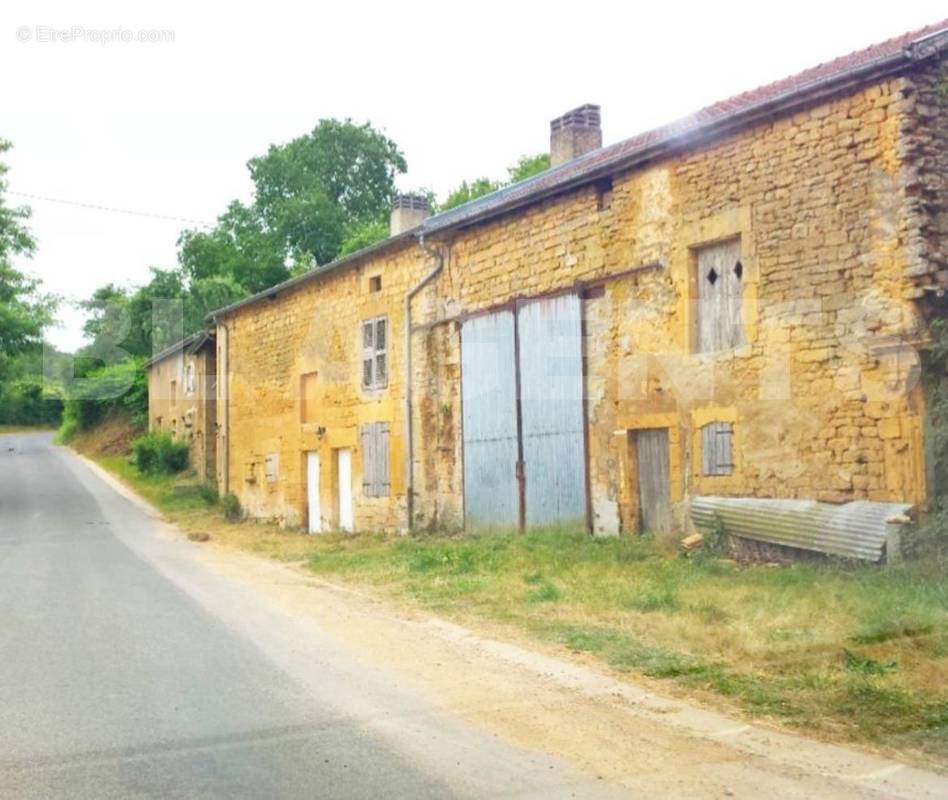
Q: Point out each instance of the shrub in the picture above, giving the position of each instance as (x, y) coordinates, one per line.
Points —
(208, 492)
(158, 452)
(230, 507)
(93, 396)
(67, 431)
(28, 401)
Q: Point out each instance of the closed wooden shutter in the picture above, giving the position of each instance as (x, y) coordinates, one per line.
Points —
(375, 460)
(368, 460)
(716, 447)
(383, 482)
(720, 281)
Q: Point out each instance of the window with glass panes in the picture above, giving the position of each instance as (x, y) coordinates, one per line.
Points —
(375, 353)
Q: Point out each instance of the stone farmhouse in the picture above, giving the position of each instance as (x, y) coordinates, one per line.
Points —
(182, 398)
(727, 309)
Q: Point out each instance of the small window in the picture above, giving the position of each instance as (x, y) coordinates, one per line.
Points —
(375, 283)
(271, 467)
(189, 378)
(375, 472)
(174, 392)
(604, 195)
(717, 439)
(375, 353)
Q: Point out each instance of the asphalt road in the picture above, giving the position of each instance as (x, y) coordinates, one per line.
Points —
(128, 670)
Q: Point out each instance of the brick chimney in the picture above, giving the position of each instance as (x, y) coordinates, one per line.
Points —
(577, 132)
(408, 211)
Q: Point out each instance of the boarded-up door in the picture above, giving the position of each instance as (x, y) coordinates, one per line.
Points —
(720, 281)
(551, 392)
(651, 457)
(489, 397)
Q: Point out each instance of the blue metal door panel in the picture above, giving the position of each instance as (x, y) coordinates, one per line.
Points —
(489, 402)
(551, 393)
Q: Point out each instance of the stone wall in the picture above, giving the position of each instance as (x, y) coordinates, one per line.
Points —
(190, 416)
(925, 135)
(315, 328)
(822, 393)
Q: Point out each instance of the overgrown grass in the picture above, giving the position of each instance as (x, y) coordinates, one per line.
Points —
(854, 653)
(159, 488)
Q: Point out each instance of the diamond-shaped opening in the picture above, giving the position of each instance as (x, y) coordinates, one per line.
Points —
(712, 276)
(739, 270)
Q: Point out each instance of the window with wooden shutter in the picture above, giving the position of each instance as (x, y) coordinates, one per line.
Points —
(720, 284)
(367, 436)
(717, 440)
(375, 471)
(375, 353)
(271, 467)
(382, 479)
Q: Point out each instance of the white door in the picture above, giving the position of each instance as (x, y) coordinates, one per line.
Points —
(344, 472)
(312, 491)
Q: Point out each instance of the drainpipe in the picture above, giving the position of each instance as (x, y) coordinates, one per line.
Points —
(409, 437)
(225, 380)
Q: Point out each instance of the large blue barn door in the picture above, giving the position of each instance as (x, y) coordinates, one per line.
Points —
(543, 345)
(489, 403)
(551, 394)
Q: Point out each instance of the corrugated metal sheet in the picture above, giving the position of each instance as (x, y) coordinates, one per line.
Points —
(551, 393)
(489, 406)
(853, 530)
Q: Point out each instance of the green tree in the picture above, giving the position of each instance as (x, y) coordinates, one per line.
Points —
(24, 311)
(107, 313)
(363, 236)
(206, 295)
(470, 191)
(240, 247)
(318, 190)
(528, 166)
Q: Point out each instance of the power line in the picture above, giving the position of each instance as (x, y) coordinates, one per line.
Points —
(95, 207)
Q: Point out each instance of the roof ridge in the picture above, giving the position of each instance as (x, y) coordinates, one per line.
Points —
(708, 119)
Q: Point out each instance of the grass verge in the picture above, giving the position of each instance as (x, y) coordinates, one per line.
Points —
(851, 653)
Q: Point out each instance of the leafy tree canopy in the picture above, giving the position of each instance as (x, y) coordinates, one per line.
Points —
(470, 191)
(24, 311)
(526, 167)
(240, 247)
(319, 189)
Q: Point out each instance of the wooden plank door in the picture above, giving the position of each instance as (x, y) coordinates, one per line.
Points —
(651, 455)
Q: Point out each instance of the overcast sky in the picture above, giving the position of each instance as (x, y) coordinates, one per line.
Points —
(167, 127)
